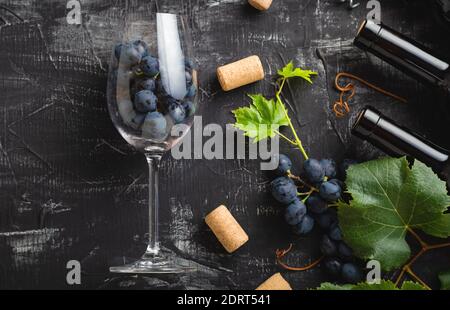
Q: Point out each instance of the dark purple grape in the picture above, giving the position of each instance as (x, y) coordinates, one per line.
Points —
(145, 101)
(284, 164)
(337, 182)
(335, 233)
(177, 112)
(128, 54)
(283, 190)
(141, 47)
(295, 212)
(327, 219)
(330, 191)
(316, 204)
(305, 226)
(314, 170)
(351, 273)
(328, 246)
(333, 266)
(154, 126)
(345, 252)
(329, 166)
(149, 66)
(148, 84)
(138, 120)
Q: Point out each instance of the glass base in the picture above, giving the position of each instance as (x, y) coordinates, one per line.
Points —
(154, 265)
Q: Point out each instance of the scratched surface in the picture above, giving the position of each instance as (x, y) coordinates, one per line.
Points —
(71, 188)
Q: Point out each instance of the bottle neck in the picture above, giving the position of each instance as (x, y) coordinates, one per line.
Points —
(398, 141)
(404, 53)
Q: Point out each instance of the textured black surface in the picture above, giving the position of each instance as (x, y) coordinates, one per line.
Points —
(70, 187)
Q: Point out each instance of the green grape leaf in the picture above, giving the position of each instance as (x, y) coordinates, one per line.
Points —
(261, 119)
(444, 277)
(327, 286)
(289, 71)
(382, 286)
(412, 286)
(388, 199)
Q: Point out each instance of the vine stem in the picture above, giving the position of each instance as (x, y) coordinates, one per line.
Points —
(298, 142)
(306, 193)
(425, 247)
(297, 178)
(286, 138)
(418, 279)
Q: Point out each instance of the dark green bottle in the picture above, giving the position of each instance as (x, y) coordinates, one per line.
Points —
(398, 141)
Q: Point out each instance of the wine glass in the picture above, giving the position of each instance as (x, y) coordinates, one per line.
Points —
(152, 89)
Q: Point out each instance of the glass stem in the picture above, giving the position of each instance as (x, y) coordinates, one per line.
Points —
(153, 161)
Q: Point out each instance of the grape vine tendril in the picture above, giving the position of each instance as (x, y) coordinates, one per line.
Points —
(341, 107)
(281, 253)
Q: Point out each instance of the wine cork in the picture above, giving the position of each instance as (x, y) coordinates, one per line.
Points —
(261, 5)
(275, 283)
(227, 230)
(240, 73)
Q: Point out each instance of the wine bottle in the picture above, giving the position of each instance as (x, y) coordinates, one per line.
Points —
(398, 141)
(404, 53)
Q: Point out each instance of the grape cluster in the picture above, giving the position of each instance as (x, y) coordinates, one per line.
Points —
(315, 209)
(143, 103)
(284, 191)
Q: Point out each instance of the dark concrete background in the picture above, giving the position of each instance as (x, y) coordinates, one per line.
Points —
(71, 188)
